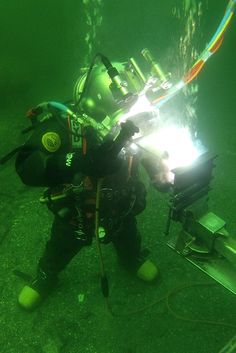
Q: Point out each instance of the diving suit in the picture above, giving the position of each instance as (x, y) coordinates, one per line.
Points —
(70, 165)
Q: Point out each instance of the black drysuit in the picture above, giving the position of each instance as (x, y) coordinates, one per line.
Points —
(49, 158)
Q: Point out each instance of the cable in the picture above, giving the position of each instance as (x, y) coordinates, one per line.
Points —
(87, 78)
(211, 49)
(202, 321)
(166, 298)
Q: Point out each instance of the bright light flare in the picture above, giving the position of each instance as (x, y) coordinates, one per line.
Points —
(175, 143)
(142, 105)
(172, 144)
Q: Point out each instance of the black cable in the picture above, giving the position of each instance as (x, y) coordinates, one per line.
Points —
(108, 65)
(87, 78)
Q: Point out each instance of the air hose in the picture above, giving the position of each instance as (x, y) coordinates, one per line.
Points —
(210, 49)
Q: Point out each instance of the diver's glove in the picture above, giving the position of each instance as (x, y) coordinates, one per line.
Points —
(128, 129)
(105, 157)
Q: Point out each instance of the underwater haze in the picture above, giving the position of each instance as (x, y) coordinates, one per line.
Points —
(44, 46)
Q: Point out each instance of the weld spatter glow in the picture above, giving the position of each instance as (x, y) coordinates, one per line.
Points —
(191, 13)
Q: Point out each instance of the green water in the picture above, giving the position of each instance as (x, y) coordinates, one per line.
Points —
(43, 46)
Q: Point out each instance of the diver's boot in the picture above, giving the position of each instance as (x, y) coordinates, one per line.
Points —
(29, 299)
(33, 294)
(147, 271)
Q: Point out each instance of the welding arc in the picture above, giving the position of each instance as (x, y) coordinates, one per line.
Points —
(211, 49)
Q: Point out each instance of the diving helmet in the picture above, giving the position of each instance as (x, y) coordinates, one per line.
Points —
(105, 97)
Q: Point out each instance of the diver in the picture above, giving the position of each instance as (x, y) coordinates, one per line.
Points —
(66, 154)
(47, 159)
